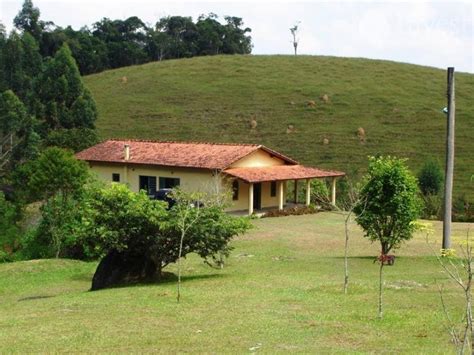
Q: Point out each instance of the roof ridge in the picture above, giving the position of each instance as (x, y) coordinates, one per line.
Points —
(181, 142)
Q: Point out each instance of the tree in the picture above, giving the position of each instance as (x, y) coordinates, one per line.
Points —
(19, 125)
(388, 207)
(12, 58)
(460, 271)
(182, 33)
(3, 41)
(352, 200)
(75, 139)
(13, 115)
(8, 229)
(294, 33)
(139, 236)
(27, 20)
(236, 40)
(89, 52)
(62, 99)
(31, 62)
(186, 213)
(57, 177)
(430, 178)
(210, 34)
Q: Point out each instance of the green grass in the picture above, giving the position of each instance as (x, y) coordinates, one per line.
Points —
(214, 98)
(281, 288)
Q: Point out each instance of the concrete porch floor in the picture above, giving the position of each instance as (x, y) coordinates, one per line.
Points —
(262, 211)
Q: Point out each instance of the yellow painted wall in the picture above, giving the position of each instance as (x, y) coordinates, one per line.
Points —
(192, 179)
(256, 159)
(266, 198)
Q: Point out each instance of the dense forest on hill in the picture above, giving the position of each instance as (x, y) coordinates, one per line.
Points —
(116, 43)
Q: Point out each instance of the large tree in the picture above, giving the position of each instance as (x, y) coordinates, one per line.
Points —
(28, 20)
(211, 34)
(139, 236)
(62, 99)
(57, 178)
(17, 127)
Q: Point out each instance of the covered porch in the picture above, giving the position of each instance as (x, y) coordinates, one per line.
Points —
(265, 187)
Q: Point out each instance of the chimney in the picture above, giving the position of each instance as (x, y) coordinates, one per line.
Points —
(126, 152)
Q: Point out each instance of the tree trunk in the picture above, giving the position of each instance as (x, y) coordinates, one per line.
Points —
(346, 247)
(385, 248)
(122, 268)
(381, 290)
(179, 265)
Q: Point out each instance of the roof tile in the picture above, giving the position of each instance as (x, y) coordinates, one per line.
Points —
(280, 173)
(183, 154)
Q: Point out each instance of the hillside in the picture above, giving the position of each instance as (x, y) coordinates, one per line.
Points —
(215, 99)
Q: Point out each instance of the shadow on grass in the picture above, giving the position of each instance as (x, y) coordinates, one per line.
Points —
(31, 298)
(166, 278)
(86, 276)
(373, 257)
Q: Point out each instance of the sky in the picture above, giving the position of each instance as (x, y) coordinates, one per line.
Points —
(438, 34)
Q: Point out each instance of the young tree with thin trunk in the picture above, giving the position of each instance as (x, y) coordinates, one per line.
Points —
(352, 201)
(388, 208)
(460, 271)
(187, 212)
(200, 216)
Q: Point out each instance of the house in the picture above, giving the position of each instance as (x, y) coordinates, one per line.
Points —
(256, 175)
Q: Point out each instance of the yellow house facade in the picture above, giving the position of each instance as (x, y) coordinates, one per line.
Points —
(257, 176)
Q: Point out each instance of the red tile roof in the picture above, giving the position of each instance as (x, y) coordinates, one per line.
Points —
(189, 154)
(280, 172)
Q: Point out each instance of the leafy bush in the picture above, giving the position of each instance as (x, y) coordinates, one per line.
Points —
(57, 178)
(319, 194)
(463, 210)
(140, 236)
(432, 206)
(430, 178)
(9, 231)
(34, 245)
(295, 211)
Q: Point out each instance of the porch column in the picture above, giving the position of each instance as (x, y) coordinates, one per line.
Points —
(308, 192)
(250, 198)
(333, 191)
(296, 192)
(280, 195)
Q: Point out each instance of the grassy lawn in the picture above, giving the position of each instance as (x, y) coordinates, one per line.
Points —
(215, 98)
(281, 291)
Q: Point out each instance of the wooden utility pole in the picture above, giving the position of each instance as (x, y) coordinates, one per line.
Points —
(448, 180)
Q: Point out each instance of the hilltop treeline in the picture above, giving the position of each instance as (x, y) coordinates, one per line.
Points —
(111, 44)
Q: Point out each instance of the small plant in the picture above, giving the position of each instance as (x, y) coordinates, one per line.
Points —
(294, 211)
(460, 271)
(430, 178)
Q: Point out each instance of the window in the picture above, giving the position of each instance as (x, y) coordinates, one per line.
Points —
(116, 177)
(168, 183)
(273, 189)
(147, 183)
(235, 190)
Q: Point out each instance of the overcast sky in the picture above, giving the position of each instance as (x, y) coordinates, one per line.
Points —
(438, 34)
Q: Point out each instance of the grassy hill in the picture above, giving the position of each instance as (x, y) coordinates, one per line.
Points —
(397, 105)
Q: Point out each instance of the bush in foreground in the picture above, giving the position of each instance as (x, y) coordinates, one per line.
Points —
(138, 237)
